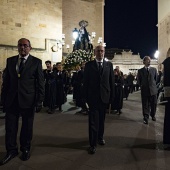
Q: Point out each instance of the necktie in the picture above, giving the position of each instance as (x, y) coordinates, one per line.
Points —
(100, 67)
(147, 71)
(21, 65)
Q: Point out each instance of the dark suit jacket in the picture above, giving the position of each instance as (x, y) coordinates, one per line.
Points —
(147, 82)
(166, 64)
(29, 87)
(98, 86)
(80, 76)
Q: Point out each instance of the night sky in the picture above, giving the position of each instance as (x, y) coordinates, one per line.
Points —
(131, 24)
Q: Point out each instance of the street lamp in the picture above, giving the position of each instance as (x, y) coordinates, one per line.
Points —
(73, 42)
(100, 40)
(75, 33)
(93, 35)
(156, 55)
(104, 44)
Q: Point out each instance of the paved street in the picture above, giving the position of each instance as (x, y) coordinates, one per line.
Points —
(60, 141)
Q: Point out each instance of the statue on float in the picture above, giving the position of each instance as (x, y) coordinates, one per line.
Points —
(82, 49)
(83, 42)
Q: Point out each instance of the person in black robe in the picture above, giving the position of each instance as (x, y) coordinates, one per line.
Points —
(126, 88)
(68, 86)
(46, 78)
(74, 82)
(117, 104)
(50, 88)
(79, 97)
(60, 85)
(130, 79)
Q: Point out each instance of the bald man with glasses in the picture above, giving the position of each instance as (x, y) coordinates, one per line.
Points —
(22, 95)
(98, 93)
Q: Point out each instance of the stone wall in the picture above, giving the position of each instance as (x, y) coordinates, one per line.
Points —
(77, 10)
(163, 28)
(35, 20)
(43, 22)
(163, 9)
(163, 37)
(129, 62)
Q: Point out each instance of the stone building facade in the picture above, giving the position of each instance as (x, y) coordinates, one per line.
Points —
(44, 22)
(89, 10)
(163, 28)
(110, 52)
(129, 62)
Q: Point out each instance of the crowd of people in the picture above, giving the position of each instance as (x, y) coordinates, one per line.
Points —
(60, 82)
(55, 86)
(95, 86)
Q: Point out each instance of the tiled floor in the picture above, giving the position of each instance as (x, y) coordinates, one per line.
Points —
(60, 141)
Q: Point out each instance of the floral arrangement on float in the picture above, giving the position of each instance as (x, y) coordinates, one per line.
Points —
(75, 58)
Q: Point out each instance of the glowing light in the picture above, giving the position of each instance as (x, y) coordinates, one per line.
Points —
(75, 33)
(156, 55)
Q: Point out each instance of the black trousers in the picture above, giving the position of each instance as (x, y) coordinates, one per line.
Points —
(166, 136)
(11, 126)
(96, 122)
(149, 104)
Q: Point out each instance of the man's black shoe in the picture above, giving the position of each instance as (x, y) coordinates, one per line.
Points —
(25, 156)
(92, 150)
(154, 118)
(8, 157)
(101, 142)
(145, 120)
(51, 111)
(85, 113)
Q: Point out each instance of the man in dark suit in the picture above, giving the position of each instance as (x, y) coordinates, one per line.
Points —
(22, 95)
(147, 78)
(98, 93)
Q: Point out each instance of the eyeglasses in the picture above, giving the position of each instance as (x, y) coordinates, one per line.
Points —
(100, 51)
(25, 45)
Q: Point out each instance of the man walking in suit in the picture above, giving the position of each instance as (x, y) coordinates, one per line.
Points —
(22, 95)
(147, 78)
(98, 93)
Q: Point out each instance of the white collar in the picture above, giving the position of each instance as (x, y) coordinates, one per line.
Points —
(147, 67)
(26, 57)
(99, 61)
